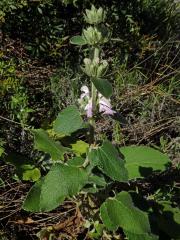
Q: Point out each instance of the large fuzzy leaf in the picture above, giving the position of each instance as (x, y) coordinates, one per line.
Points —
(68, 121)
(121, 212)
(141, 161)
(62, 181)
(44, 143)
(108, 160)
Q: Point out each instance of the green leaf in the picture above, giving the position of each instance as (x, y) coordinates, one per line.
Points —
(168, 220)
(80, 147)
(78, 40)
(25, 168)
(109, 162)
(43, 142)
(110, 224)
(141, 161)
(97, 180)
(145, 236)
(68, 121)
(31, 174)
(103, 86)
(76, 161)
(32, 201)
(121, 212)
(61, 182)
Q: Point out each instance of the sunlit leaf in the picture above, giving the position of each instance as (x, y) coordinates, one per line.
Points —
(80, 147)
(61, 182)
(31, 174)
(68, 121)
(141, 161)
(109, 161)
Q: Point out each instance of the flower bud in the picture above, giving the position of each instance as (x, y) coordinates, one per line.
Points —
(95, 16)
(102, 69)
(95, 67)
(93, 36)
(87, 61)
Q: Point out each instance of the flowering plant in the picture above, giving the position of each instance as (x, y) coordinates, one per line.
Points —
(96, 165)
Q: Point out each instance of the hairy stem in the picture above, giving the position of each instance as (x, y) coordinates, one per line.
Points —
(94, 101)
(93, 88)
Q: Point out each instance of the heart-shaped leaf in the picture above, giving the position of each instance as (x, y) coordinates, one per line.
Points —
(109, 162)
(62, 181)
(68, 121)
(121, 212)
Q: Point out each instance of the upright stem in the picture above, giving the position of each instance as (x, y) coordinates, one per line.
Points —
(96, 52)
(94, 98)
(94, 101)
(93, 88)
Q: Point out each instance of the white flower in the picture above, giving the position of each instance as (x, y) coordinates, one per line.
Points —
(85, 92)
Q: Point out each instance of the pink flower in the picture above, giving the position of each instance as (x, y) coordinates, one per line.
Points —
(86, 103)
(105, 106)
(88, 108)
